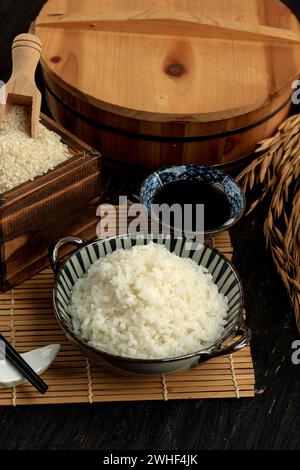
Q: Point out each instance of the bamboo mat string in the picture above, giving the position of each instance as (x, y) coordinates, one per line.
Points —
(165, 387)
(13, 339)
(213, 242)
(90, 382)
(234, 379)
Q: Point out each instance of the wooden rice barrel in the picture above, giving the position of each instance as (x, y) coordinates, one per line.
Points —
(154, 83)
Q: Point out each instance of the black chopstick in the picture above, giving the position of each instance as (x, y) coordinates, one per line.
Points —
(18, 362)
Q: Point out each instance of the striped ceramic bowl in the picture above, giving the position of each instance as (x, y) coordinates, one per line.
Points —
(236, 335)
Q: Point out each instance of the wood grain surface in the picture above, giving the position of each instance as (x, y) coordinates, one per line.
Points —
(170, 23)
(270, 421)
(158, 83)
(215, 79)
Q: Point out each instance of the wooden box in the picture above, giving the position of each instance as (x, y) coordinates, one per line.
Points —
(63, 201)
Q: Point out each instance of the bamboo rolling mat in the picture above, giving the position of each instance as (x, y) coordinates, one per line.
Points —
(27, 320)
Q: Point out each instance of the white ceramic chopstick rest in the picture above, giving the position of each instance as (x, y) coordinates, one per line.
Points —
(39, 359)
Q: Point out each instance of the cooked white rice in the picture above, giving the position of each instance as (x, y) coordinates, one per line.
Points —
(23, 158)
(148, 303)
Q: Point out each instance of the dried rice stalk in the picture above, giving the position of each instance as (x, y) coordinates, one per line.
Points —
(278, 168)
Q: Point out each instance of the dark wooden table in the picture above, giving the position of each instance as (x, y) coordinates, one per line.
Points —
(270, 421)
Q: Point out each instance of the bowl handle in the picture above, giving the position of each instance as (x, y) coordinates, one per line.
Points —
(242, 338)
(57, 244)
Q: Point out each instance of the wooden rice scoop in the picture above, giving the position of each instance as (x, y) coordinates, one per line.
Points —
(21, 89)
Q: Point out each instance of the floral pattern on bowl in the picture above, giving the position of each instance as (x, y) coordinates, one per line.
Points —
(224, 182)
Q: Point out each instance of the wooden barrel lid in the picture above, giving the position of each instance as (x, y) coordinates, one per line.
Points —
(176, 59)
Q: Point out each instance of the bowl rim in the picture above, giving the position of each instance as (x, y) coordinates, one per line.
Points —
(210, 232)
(85, 344)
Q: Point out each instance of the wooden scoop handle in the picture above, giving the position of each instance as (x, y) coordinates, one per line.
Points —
(21, 88)
(26, 54)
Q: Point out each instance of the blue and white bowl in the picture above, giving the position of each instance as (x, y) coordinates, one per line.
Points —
(226, 183)
(236, 334)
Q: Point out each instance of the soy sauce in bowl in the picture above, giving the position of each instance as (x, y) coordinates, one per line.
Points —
(217, 208)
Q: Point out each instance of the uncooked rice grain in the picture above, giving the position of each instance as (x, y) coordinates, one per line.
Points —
(23, 158)
(148, 303)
